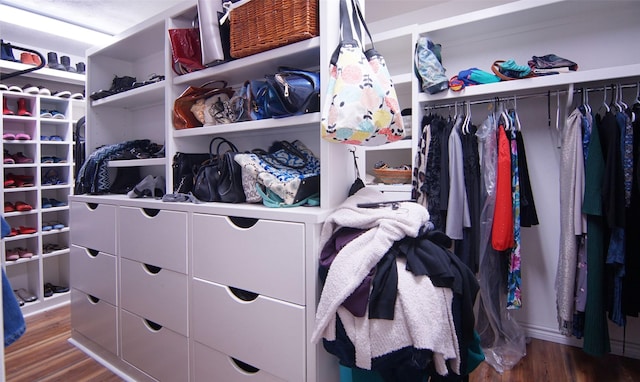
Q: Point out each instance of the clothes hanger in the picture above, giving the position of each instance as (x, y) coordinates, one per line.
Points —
(467, 119)
(604, 100)
(516, 118)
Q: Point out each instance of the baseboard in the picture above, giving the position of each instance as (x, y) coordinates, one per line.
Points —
(108, 360)
(618, 347)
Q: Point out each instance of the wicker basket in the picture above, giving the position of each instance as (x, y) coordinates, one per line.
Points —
(260, 25)
(392, 175)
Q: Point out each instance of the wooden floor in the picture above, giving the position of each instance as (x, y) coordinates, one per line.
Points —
(43, 354)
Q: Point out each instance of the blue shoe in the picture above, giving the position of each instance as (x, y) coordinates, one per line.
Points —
(46, 203)
(57, 203)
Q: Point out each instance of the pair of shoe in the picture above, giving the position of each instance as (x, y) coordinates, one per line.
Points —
(19, 136)
(30, 59)
(23, 110)
(150, 186)
(50, 202)
(52, 225)
(50, 289)
(118, 85)
(48, 159)
(51, 178)
(22, 230)
(44, 113)
(24, 295)
(18, 253)
(12, 180)
(18, 158)
(64, 64)
(52, 247)
(6, 52)
(55, 138)
(18, 206)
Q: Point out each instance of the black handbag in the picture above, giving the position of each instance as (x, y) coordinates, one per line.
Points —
(219, 179)
(296, 91)
(185, 167)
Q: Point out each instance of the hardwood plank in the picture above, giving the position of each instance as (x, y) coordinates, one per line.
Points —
(44, 354)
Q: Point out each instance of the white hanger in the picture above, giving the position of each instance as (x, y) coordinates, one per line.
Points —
(585, 100)
(604, 99)
(516, 121)
(467, 119)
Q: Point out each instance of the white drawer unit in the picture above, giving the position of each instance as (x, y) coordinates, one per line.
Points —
(95, 319)
(94, 273)
(157, 237)
(156, 293)
(93, 226)
(250, 331)
(267, 258)
(155, 350)
(209, 362)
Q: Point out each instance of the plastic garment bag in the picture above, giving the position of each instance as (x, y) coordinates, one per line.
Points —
(502, 339)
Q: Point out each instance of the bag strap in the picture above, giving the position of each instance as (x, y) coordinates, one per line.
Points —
(270, 199)
(222, 140)
(291, 149)
(223, 82)
(355, 5)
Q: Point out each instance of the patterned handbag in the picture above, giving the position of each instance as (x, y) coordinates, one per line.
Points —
(361, 107)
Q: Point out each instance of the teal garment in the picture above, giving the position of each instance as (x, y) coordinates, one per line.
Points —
(348, 374)
(596, 329)
(481, 77)
(475, 355)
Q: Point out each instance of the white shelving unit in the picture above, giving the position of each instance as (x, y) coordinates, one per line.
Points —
(127, 234)
(46, 265)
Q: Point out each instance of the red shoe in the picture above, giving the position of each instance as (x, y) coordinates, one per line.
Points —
(22, 108)
(9, 207)
(26, 230)
(5, 108)
(13, 232)
(22, 206)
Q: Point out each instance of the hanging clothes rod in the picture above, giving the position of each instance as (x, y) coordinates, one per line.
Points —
(577, 90)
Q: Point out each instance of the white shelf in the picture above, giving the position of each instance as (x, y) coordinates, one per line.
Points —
(43, 73)
(137, 162)
(134, 98)
(303, 54)
(533, 85)
(251, 126)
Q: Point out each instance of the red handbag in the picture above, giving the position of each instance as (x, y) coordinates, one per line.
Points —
(185, 50)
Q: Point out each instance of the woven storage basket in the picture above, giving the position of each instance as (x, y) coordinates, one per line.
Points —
(260, 25)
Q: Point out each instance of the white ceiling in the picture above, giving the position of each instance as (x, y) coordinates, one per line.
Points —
(115, 16)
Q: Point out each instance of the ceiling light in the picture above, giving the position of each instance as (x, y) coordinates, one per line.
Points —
(45, 24)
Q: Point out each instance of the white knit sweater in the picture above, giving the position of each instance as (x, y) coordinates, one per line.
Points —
(423, 317)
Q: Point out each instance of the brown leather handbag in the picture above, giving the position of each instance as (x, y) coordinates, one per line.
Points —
(183, 116)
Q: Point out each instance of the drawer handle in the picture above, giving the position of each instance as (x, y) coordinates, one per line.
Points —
(152, 325)
(92, 206)
(245, 366)
(151, 212)
(152, 268)
(241, 222)
(243, 295)
(93, 252)
(93, 299)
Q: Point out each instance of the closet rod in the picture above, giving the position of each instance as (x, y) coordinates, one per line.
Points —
(577, 90)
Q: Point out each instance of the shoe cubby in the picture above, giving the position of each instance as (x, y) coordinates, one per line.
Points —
(37, 171)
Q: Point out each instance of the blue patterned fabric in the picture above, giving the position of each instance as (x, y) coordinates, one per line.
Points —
(93, 176)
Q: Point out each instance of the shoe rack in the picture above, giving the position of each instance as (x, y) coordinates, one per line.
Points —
(37, 181)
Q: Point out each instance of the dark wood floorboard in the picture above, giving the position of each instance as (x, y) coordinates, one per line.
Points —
(44, 354)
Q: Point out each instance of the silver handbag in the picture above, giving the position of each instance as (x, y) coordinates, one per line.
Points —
(210, 41)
